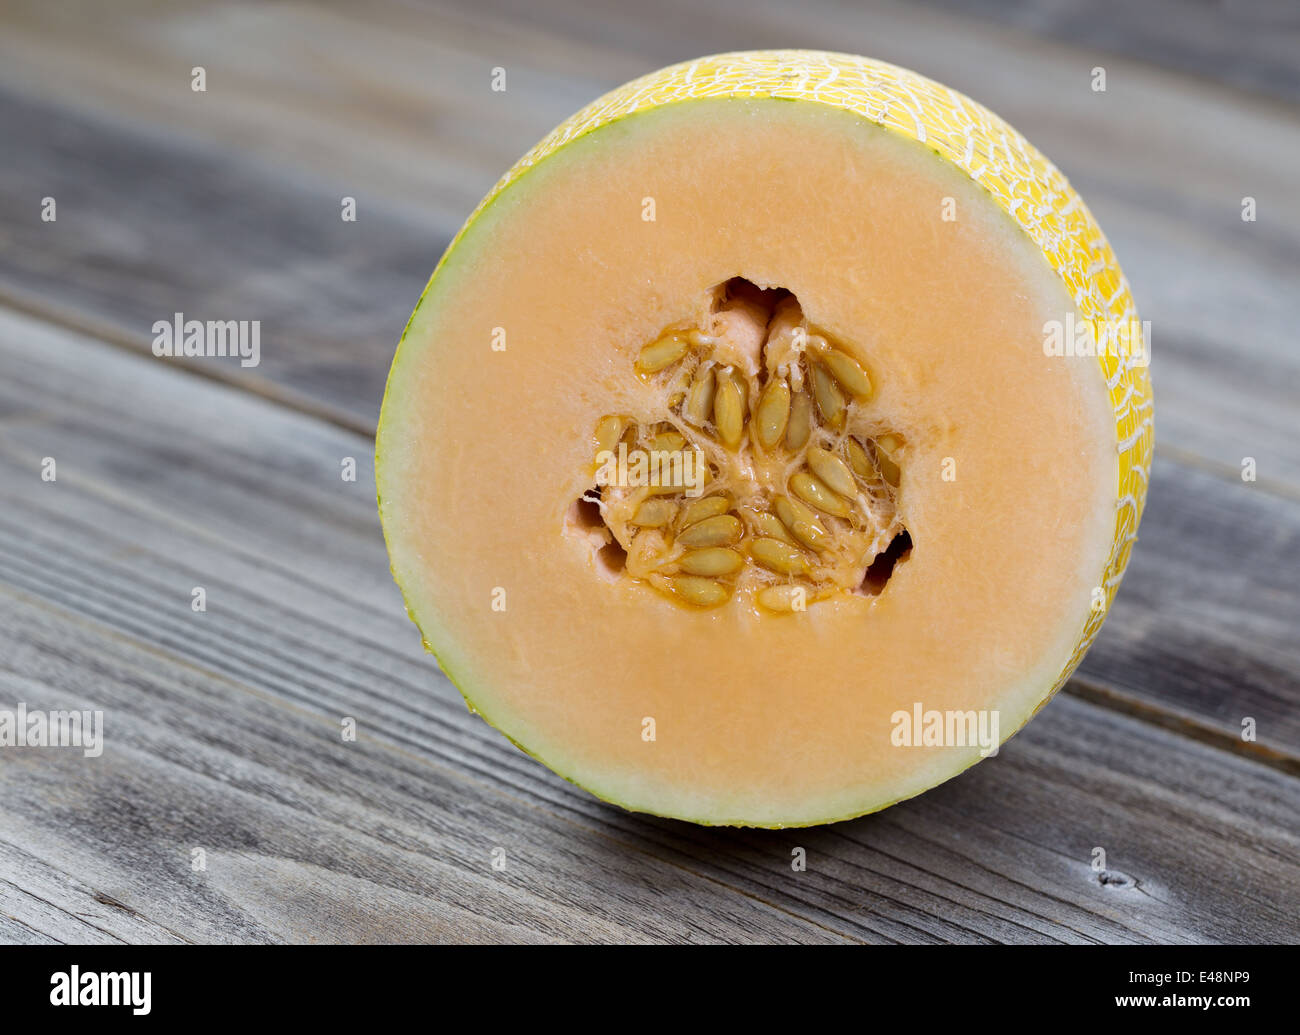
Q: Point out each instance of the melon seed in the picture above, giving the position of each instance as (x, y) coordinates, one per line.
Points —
(608, 431)
(667, 442)
(830, 399)
(742, 386)
(833, 471)
(773, 412)
(802, 523)
(812, 489)
(654, 513)
(669, 487)
(707, 507)
(702, 592)
(722, 530)
(713, 560)
(662, 353)
(779, 557)
(890, 470)
(848, 373)
(742, 382)
(886, 446)
(728, 410)
(699, 400)
(784, 598)
(797, 431)
(770, 525)
(858, 459)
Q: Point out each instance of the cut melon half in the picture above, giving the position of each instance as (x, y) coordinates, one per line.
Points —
(897, 489)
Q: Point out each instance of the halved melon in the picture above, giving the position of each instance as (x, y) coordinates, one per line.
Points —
(894, 498)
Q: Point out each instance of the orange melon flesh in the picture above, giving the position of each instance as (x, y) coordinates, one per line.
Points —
(1011, 487)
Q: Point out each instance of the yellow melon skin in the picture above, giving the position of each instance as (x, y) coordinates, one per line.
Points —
(442, 591)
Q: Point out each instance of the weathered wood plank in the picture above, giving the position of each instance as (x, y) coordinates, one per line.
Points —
(14, 932)
(1252, 45)
(46, 900)
(27, 918)
(227, 202)
(1207, 616)
(130, 247)
(223, 733)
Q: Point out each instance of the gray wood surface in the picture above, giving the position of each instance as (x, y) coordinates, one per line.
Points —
(223, 727)
(1251, 44)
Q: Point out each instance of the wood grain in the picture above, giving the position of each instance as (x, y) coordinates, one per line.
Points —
(223, 733)
(1249, 44)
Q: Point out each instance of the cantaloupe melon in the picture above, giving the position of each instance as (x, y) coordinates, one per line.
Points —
(897, 492)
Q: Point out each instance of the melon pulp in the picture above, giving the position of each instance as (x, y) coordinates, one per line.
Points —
(918, 235)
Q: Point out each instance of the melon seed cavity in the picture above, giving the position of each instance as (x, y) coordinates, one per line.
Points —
(801, 481)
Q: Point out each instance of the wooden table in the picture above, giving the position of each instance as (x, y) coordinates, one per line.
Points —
(223, 727)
